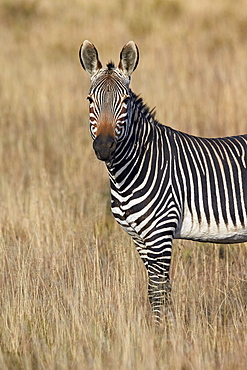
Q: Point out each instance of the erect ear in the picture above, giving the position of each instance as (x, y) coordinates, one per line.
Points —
(129, 58)
(89, 58)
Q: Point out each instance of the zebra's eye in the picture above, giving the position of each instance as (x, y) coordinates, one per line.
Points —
(89, 98)
(126, 98)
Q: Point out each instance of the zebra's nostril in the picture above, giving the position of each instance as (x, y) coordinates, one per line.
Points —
(112, 145)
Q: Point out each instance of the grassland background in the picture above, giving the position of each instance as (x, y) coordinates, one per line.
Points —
(73, 291)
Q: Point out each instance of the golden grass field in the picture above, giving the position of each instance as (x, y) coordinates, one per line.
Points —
(73, 291)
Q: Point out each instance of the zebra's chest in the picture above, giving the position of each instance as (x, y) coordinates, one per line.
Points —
(130, 212)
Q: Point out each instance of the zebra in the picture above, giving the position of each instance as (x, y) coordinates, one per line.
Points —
(165, 184)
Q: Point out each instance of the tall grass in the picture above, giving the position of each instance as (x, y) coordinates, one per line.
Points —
(73, 291)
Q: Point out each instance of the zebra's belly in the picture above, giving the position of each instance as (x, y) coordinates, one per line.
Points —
(212, 232)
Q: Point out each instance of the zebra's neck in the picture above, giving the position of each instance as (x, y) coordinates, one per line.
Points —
(134, 151)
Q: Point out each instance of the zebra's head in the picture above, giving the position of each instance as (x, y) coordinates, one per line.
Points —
(108, 96)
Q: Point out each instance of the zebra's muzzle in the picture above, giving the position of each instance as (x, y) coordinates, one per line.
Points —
(104, 147)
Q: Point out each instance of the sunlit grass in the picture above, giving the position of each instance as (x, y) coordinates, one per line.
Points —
(73, 291)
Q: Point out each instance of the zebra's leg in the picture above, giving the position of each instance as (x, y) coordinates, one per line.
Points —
(141, 249)
(159, 294)
(157, 262)
(159, 287)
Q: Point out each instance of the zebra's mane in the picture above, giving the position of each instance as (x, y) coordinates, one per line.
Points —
(145, 109)
(110, 65)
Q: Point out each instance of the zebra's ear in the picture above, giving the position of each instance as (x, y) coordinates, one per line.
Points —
(129, 58)
(89, 58)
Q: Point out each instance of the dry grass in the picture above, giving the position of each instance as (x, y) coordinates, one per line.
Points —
(73, 291)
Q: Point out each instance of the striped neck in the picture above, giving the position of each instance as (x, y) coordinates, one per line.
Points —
(141, 126)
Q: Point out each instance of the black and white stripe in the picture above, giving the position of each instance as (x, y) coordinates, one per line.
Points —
(108, 91)
(173, 185)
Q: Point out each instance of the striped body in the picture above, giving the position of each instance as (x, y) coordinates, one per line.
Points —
(165, 184)
(215, 203)
(202, 182)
